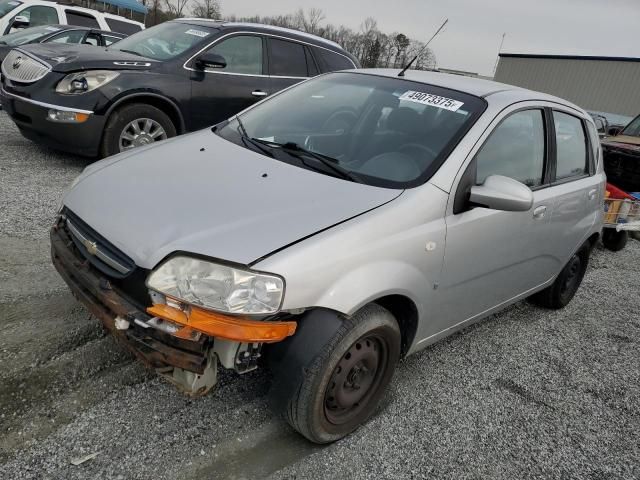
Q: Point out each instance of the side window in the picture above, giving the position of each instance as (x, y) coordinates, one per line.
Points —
(311, 64)
(109, 40)
(332, 61)
(39, 15)
(595, 143)
(571, 146)
(243, 54)
(287, 59)
(70, 36)
(81, 19)
(92, 39)
(515, 149)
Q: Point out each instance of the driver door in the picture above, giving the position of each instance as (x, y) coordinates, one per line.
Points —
(217, 94)
(493, 256)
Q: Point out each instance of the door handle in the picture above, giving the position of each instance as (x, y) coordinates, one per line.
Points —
(259, 93)
(592, 193)
(539, 212)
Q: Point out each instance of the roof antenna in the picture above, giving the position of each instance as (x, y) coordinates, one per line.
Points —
(401, 74)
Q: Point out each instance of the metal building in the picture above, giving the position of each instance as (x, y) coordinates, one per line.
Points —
(603, 84)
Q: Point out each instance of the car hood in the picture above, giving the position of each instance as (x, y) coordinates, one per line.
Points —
(202, 194)
(69, 58)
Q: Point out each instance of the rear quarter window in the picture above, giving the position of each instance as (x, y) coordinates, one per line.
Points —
(331, 61)
(81, 19)
(122, 27)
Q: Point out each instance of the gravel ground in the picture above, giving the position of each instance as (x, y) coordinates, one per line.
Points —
(526, 393)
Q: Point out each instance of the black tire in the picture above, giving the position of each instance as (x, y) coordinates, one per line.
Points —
(614, 241)
(562, 290)
(368, 346)
(123, 116)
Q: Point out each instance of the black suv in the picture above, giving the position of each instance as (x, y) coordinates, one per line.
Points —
(177, 77)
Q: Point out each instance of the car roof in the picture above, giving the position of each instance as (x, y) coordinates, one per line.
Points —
(259, 27)
(478, 87)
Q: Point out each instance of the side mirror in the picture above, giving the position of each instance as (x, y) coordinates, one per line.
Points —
(502, 193)
(613, 131)
(210, 60)
(20, 22)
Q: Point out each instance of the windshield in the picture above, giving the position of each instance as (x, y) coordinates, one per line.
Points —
(28, 35)
(7, 5)
(165, 41)
(633, 129)
(383, 131)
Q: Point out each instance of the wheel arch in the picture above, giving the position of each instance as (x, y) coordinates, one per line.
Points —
(161, 102)
(405, 311)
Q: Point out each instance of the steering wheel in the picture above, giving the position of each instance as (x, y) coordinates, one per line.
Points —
(417, 151)
(340, 121)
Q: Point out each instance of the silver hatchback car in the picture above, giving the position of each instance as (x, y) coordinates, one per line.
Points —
(333, 229)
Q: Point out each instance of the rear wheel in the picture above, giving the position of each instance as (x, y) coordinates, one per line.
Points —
(135, 125)
(613, 240)
(563, 289)
(345, 383)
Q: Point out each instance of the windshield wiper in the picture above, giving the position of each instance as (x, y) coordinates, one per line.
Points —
(132, 52)
(297, 151)
(247, 140)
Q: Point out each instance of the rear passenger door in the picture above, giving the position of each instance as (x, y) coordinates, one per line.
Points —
(289, 63)
(575, 185)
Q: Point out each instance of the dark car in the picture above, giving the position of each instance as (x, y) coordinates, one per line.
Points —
(622, 157)
(177, 77)
(56, 34)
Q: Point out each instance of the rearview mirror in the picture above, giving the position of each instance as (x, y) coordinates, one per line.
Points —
(502, 193)
(210, 60)
(20, 22)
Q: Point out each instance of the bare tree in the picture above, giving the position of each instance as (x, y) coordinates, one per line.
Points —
(175, 8)
(309, 21)
(372, 47)
(206, 9)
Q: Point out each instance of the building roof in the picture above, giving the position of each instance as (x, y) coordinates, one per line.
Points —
(569, 57)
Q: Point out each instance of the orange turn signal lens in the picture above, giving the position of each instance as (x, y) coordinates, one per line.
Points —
(219, 325)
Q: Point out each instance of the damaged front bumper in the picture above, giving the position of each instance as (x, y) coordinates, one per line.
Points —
(190, 362)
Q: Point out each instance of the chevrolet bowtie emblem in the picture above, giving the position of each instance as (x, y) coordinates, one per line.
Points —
(92, 247)
(16, 63)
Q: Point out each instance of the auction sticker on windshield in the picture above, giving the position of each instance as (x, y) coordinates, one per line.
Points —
(432, 100)
(197, 33)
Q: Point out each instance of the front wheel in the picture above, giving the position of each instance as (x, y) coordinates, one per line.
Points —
(346, 381)
(135, 125)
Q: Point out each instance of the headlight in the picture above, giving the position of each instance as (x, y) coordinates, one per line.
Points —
(83, 82)
(218, 287)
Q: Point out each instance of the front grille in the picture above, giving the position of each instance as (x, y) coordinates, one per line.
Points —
(22, 68)
(101, 253)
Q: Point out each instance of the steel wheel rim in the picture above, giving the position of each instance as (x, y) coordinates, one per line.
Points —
(140, 132)
(355, 379)
(572, 275)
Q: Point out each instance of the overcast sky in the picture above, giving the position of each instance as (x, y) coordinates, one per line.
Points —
(471, 39)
